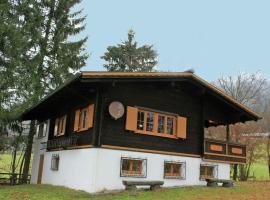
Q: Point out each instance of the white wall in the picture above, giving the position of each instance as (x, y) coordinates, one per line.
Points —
(108, 173)
(76, 169)
(97, 169)
(37, 152)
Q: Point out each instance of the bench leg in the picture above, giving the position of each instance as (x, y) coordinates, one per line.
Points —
(154, 187)
(227, 185)
(212, 184)
(131, 187)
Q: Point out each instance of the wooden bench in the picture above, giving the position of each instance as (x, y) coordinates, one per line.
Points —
(131, 185)
(214, 182)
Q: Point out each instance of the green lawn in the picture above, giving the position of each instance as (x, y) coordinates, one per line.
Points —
(243, 191)
(260, 171)
(5, 160)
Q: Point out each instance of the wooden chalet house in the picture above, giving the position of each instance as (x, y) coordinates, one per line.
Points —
(101, 128)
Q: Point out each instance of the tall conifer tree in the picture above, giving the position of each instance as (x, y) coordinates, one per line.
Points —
(128, 57)
(44, 55)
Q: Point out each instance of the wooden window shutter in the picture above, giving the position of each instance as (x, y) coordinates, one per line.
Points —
(56, 127)
(131, 119)
(77, 119)
(64, 125)
(182, 127)
(90, 113)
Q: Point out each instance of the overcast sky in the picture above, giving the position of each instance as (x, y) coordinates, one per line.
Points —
(213, 37)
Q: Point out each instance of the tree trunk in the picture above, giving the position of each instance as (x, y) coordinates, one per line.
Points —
(235, 172)
(21, 168)
(28, 152)
(268, 155)
(13, 162)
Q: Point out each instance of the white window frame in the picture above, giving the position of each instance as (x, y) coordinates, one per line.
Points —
(182, 170)
(209, 165)
(44, 130)
(55, 158)
(144, 167)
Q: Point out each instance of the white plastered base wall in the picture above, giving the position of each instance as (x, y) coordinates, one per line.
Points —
(98, 169)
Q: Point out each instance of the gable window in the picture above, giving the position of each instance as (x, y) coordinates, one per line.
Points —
(155, 123)
(55, 162)
(174, 170)
(84, 118)
(133, 167)
(60, 126)
(208, 171)
(147, 123)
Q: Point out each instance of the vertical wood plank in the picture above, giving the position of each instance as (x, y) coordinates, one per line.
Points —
(90, 115)
(182, 127)
(131, 118)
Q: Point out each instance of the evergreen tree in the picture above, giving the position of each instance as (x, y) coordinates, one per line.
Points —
(128, 57)
(39, 55)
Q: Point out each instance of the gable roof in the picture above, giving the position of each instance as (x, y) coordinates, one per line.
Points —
(129, 76)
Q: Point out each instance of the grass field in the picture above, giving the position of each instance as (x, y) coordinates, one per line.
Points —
(5, 160)
(242, 191)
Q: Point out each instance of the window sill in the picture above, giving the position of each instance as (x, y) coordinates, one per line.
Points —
(62, 134)
(156, 134)
(174, 177)
(133, 175)
(81, 130)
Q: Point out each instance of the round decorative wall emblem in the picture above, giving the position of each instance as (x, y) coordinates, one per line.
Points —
(116, 109)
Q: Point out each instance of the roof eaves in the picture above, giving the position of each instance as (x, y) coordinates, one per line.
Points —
(69, 81)
(226, 96)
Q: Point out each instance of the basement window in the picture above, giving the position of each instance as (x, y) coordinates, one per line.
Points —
(208, 171)
(133, 167)
(174, 170)
(55, 162)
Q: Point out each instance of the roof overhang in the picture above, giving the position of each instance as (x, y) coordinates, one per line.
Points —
(147, 76)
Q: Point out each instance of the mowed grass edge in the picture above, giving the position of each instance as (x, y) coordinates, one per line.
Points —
(246, 190)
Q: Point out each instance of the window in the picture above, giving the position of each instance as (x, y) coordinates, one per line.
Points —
(208, 171)
(156, 123)
(55, 162)
(42, 129)
(174, 170)
(60, 126)
(84, 118)
(133, 167)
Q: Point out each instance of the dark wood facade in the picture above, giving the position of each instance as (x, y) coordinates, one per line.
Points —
(180, 96)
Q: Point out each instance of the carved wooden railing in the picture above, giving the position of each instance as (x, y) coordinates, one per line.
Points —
(64, 142)
(215, 150)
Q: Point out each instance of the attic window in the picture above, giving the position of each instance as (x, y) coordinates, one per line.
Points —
(155, 123)
(84, 118)
(60, 125)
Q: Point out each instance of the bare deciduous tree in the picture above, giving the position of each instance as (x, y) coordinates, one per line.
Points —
(246, 89)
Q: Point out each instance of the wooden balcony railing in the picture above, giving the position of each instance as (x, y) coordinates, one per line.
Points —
(225, 152)
(62, 143)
